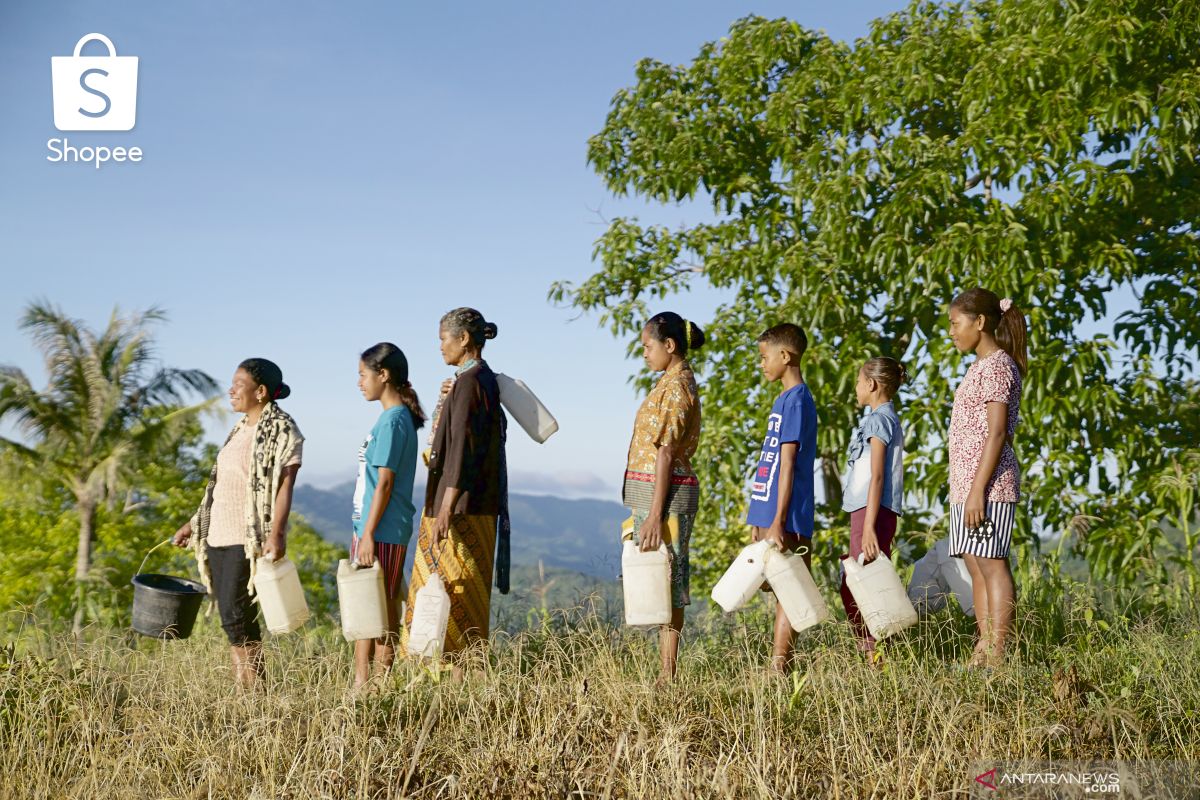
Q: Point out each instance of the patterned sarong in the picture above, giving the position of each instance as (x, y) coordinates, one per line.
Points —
(464, 560)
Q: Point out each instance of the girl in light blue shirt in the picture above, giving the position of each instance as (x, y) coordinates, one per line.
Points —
(874, 488)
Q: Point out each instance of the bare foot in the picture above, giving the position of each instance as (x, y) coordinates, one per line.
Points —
(979, 656)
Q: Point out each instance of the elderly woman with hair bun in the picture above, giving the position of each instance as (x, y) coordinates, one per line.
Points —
(245, 509)
(465, 494)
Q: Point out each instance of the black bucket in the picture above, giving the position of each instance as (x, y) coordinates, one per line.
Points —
(164, 606)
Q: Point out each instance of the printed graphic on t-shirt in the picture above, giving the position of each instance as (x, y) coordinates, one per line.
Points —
(768, 461)
(360, 486)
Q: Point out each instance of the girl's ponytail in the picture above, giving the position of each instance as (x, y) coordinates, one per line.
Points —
(408, 396)
(1010, 334)
(889, 373)
(686, 334)
(1004, 321)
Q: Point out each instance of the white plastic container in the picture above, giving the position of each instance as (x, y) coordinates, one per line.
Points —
(958, 579)
(936, 576)
(743, 578)
(362, 601)
(646, 580)
(431, 617)
(277, 587)
(525, 407)
(795, 590)
(880, 596)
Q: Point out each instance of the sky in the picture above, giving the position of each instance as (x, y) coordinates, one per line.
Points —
(319, 177)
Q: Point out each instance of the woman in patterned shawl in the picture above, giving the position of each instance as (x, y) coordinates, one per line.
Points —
(466, 490)
(245, 508)
(661, 490)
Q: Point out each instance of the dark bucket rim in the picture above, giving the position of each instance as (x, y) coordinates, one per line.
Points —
(194, 587)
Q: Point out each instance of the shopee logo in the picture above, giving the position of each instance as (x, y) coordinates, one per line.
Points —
(94, 93)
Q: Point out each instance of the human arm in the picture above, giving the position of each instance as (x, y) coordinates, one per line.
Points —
(787, 472)
(650, 534)
(364, 556)
(974, 511)
(276, 545)
(441, 523)
(870, 541)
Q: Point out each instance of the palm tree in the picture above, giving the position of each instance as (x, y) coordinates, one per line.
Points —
(108, 408)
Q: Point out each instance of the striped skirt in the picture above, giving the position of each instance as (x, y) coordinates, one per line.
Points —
(391, 561)
(464, 561)
(981, 542)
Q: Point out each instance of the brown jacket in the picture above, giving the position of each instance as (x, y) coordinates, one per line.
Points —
(467, 446)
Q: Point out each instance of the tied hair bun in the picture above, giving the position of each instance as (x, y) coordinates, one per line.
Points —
(490, 330)
(283, 391)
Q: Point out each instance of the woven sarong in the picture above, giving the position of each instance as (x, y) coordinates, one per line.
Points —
(464, 560)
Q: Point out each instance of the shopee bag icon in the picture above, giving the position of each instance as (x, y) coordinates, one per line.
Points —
(94, 93)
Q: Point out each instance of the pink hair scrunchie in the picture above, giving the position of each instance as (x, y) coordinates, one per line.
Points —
(1005, 305)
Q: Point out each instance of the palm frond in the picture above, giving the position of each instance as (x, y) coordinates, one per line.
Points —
(170, 385)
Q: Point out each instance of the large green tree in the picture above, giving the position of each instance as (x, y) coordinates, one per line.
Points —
(1046, 150)
(109, 410)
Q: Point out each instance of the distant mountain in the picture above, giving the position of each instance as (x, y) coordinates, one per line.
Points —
(577, 535)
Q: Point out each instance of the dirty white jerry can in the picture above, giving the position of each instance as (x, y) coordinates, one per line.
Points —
(431, 617)
(362, 601)
(524, 406)
(880, 596)
(743, 578)
(957, 577)
(277, 587)
(936, 576)
(795, 590)
(646, 581)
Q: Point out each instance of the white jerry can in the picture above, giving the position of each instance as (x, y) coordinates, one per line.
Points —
(646, 582)
(743, 578)
(431, 618)
(525, 407)
(362, 600)
(795, 590)
(280, 596)
(880, 596)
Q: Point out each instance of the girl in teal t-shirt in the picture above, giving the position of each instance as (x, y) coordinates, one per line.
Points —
(383, 506)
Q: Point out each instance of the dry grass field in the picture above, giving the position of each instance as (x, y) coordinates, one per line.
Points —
(570, 709)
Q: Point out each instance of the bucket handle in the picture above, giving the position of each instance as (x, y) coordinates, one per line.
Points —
(799, 551)
(151, 550)
(436, 552)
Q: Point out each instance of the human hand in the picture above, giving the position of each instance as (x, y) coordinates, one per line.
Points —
(973, 510)
(870, 545)
(775, 534)
(275, 547)
(364, 554)
(441, 527)
(650, 534)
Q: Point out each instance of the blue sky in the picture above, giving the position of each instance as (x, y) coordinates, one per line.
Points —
(318, 177)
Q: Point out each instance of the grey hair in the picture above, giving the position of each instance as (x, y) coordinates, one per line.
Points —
(471, 321)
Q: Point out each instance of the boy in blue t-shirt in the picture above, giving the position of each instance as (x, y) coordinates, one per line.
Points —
(781, 492)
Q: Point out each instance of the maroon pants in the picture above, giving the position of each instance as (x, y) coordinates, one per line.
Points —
(885, 531)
